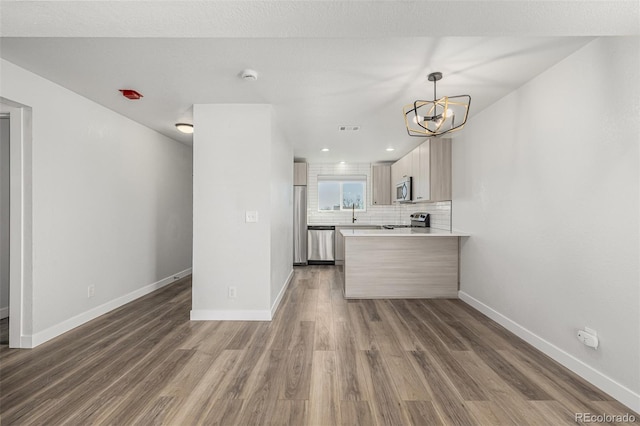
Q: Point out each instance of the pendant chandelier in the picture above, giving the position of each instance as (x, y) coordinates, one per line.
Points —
(439, 116)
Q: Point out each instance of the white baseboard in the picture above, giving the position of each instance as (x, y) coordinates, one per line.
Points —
(71, 323)
(26, 342)
(4, 312)
(620, 392)
(215, 315)
(276, 302)
(241, 315)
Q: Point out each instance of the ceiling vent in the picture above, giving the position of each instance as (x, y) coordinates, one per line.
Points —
(349, 128)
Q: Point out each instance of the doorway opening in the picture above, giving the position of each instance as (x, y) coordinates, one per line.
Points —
(4, 227)
(16, 243)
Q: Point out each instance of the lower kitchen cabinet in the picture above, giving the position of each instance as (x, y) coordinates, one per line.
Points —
(339, 245)
(339, 240)
(403, 267)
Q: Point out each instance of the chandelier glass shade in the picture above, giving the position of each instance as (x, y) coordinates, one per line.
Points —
(438, 116)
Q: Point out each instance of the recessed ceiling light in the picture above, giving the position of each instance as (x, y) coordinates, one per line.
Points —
(185, 127)
(324, 149)
(343, 162)
(391, 149)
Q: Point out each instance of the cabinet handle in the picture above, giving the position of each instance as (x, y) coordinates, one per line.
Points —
(419, 198)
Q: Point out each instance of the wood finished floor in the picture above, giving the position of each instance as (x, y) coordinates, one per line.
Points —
(321, 361)
(4, 331)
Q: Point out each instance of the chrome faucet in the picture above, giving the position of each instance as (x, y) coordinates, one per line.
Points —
(353, 213)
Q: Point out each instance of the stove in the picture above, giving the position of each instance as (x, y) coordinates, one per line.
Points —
(418, 220)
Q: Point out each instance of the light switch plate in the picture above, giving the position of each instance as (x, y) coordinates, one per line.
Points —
(251, 216)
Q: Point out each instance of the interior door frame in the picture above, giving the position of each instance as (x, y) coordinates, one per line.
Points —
(20, 225)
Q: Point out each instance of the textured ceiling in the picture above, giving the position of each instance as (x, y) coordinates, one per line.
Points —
(308, 18)
(321, 64)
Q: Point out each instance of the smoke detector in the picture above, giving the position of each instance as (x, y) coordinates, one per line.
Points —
(249, 75)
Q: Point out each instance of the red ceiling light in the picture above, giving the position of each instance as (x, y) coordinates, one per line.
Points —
(130, 94)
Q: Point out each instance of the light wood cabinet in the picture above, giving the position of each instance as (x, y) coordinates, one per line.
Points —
(395, 177)
(400, 267)
(338, 241)
(421, 177)
(299, 173)
(430, 167)
(399, 169)
(381, 184)
(405, 166)
(440, 170)
(417, 175)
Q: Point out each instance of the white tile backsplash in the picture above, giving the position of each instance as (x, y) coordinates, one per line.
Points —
(396, 214)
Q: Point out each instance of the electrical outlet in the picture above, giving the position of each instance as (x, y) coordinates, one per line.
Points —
(91, 291)
(588, 337)
(232, 293)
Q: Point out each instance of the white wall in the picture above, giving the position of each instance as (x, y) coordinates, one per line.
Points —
(281, 214)
(111, 205)
(233, 173)
(547, 182)
(4, 217)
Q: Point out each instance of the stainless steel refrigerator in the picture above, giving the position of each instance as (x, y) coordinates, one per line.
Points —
(299, 225)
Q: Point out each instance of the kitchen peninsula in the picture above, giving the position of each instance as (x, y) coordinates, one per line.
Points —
(400, 263)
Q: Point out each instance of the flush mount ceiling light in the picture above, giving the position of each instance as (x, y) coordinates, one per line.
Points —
(439, 116)
(185, 127)
(324, 149)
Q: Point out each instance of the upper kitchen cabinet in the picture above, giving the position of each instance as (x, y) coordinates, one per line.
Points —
(430, 167)
(432, 178)
(299, 173)
(381, 184)
(400, 169)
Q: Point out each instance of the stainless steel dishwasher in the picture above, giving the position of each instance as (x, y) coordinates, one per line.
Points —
(320, 245)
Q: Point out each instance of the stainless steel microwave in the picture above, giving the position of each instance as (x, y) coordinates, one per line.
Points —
(403, 190)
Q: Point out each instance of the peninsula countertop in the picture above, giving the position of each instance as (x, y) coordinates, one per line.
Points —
(402, 232)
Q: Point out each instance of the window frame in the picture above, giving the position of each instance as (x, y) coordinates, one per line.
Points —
(341, 180)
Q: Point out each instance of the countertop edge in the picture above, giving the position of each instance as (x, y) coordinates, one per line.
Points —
(402, 232)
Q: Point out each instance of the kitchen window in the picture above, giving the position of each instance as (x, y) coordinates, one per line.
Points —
(340, 193)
